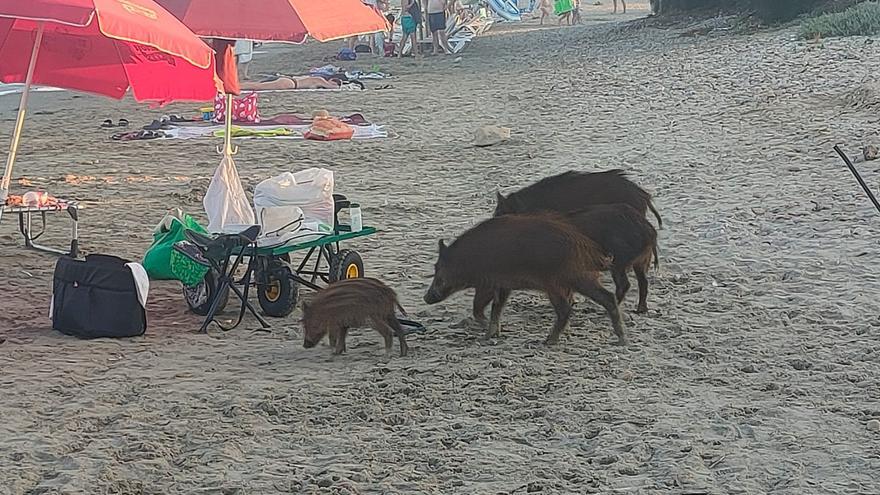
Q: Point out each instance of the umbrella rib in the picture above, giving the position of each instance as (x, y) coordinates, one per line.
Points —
(49, 19)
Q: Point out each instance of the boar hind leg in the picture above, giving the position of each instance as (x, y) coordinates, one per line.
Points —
(562, 303)
(640, 271)
(387, 334)
(621, 282)
(591, 288)
(482, 298)
(498, 302)
(339, 347)
(401, 336)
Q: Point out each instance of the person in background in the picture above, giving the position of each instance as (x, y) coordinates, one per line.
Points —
(411, 17)
(388, 45)
(437, 25)
(244, 53)
(352, 41)
(546, 7)
(377, 44)
(623, 2)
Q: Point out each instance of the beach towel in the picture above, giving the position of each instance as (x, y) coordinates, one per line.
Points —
(346, 86)
(242, 132)
(361, 132)
(563, 7)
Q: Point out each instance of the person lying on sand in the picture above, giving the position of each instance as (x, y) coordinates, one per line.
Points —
(283, 82)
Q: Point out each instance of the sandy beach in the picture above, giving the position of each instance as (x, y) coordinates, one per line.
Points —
(756, 370)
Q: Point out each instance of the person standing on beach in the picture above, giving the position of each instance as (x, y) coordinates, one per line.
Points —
(615, 6)
(411, 17)
(437, 25)
(546, 8)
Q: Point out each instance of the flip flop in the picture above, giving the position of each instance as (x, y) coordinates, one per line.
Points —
(120, 123)
(107, 124)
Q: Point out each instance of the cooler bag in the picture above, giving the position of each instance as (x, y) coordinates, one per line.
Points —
(98, 297)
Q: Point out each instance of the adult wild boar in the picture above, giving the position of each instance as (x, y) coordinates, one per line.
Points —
(573, 191)
(623, 234)
(529, 252)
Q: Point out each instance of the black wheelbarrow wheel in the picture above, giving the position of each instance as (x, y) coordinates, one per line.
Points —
(279, 294)
(199, 297)
(346, 264)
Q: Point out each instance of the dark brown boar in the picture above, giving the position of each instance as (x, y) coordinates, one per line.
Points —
(349, 304)
(530, 252)
(573, 191)
(623, 234)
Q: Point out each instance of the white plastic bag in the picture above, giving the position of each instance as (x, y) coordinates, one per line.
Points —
(311, 190)
(226, 204)
(279, 224)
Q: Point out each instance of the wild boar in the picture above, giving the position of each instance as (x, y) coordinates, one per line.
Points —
(623, 234)
(573, 191)
(529, 252)
(349, 304)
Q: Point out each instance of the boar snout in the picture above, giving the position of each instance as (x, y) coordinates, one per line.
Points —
(432, 296)
(437, 292)
(308, 343)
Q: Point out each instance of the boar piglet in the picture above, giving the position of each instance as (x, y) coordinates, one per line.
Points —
(349, 304)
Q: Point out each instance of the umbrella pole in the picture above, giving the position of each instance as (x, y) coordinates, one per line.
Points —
(19, 122)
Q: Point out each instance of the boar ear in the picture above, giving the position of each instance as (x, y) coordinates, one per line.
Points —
(441, 246)
(499, 198)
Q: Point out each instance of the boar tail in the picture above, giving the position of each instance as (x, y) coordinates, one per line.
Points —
(400, 308)
(656, 215)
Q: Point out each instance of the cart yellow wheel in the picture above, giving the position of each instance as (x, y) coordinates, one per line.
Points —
(346, 264)
(278, 293)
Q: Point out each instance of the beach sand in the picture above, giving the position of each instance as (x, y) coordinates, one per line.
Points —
(755, 371)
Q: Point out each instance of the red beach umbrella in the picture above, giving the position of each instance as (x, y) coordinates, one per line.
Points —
(100, 46)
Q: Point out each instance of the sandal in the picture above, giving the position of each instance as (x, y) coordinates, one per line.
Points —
(109, 123)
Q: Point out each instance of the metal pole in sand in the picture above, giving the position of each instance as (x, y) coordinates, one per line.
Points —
(858, 176)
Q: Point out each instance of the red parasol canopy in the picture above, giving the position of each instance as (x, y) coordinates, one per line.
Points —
(105, 47)
(277, 20)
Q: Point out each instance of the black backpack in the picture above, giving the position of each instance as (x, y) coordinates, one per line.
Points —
(96, 298)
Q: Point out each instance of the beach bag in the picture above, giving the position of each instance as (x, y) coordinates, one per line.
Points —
(310, 190)
(227, 206)
(103, 296)
(329, 129)
(244, 109)
(160, 260)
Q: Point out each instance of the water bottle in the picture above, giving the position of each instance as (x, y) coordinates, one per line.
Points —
(354, 213)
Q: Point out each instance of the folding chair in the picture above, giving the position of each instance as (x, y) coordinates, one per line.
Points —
(224, 254)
